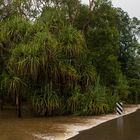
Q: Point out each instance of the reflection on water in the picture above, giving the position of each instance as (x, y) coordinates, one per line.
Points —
(120, 127)
(123, 128)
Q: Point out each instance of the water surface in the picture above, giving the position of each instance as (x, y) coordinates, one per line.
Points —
(61, 128)
(37, 128)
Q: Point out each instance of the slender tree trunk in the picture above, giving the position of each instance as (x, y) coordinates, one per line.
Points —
(18, 104)
(15, 99)
(86, 25)
(91, 4)
(1, 105)
(1, 102)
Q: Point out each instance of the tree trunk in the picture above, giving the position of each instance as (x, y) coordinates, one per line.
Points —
(1, 102)
(1, 105)
(18, 104)
(86, 25)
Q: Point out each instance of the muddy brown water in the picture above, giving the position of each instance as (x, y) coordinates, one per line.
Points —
(31, 128)
(35, 128)
(123, 128)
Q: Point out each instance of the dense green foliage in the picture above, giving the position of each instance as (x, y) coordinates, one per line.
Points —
(62, 57)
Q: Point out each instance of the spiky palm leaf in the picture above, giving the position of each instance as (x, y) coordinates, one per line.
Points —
(72, 43)
(47, 101)
(12, 83)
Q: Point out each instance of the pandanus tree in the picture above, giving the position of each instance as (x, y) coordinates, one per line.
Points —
(14, 87)
(36, 60)
(12, 31)
(46, 59)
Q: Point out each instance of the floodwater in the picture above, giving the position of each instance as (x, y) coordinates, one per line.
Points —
(62, 128)
(39, 128)
(123, 128)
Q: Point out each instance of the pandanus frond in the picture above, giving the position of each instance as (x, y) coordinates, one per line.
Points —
(26, 60)
(72, 43)
(74, 102)
(88, 76)
(38, 54)
(68, 74)
(13, 29)
(47, 102)
(53, 101)
(12, 83)
(95, 100)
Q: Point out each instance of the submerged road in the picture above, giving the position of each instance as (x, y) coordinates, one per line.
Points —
(123, 128)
